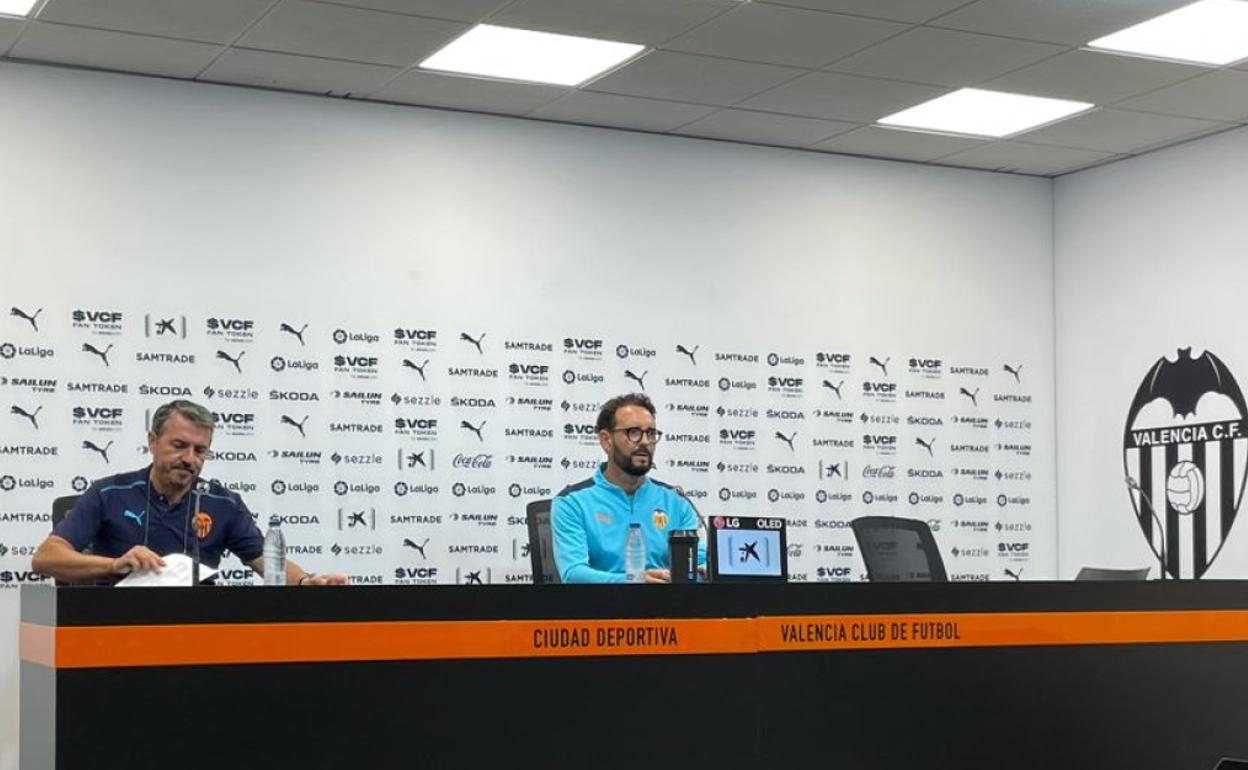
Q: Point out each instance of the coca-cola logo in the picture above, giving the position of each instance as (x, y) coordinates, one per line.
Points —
(477, 461)
(879, 472)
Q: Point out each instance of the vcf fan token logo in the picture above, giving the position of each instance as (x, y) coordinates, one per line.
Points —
(1185, 453)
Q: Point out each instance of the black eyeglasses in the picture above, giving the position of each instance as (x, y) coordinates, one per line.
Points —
(634, 434)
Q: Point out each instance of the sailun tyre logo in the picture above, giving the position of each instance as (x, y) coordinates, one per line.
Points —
(1185, 455)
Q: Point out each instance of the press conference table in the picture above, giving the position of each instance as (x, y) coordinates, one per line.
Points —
(990, 675)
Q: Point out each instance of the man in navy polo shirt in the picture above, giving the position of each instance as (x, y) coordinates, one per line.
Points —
(590, 520)
(131, 519)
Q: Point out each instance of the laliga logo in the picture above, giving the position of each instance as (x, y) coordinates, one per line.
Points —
(1184, 427)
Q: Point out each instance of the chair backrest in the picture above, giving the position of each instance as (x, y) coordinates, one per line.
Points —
(1105, 573)
(541, 548)
(61, 506)
(898, 550)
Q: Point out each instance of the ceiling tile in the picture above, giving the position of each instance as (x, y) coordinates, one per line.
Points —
(1072, 22)
(337, 32)
(1219, 95)
(461, 93)
(617, 111)
(1119, 131)
(778, 35)
(1026, 158)
(945, 57)
(764, 128)
(898, 10)
(698, 79)
(297, 73)
(842, 97)
(113, 50)
(1093, 77)
(891, 143)
(455, 10)
(10, 30)
(649, 22)
(218, 21)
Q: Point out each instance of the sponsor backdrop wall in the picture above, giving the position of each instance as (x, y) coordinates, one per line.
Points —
(1149, 262)
(406, 321)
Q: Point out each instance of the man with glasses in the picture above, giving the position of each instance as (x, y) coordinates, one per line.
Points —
(590, 520)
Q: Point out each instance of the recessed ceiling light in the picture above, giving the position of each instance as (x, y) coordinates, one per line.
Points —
(16, 7)
(975, 112)
(1208, 32)
(537, 57)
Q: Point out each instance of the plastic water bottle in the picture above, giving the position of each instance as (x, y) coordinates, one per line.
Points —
(275, 554)
(635, 555)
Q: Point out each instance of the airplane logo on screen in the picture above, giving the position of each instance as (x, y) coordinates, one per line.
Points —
(297, 334)
(32, 416)
(750, 550)
(419, 369)
(476, 343)
(688, 352)
(18, 313)
(87, 347)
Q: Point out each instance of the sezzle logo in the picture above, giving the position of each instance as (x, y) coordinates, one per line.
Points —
(106, 322)
(232, 329)
(724, 467)
(583, 348)
(879, 419)
(1012, 424)
(788, 386)
(775, 359)
(529, 373)
(745, 412)
(624, 351)
(342, 337)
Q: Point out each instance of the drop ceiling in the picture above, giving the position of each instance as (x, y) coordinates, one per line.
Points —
(811, 74)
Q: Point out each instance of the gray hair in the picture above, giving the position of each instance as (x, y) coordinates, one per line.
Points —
(191, 411)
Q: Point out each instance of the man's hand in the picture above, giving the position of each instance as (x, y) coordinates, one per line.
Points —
(137, 559)
(328, 579)
(658, 576)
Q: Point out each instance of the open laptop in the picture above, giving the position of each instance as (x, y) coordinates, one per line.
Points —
(747, 549)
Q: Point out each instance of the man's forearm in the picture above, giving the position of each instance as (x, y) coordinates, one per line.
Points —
(58, 559)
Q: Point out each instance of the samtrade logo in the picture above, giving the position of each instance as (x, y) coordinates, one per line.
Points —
(292, 331)
(691, 353)
(87, 347)
(968, 371)
(28, 317)
(235, 360)
(474, 341)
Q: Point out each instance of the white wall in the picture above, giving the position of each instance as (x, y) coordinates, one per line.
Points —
(1149, 258)
(175, 198)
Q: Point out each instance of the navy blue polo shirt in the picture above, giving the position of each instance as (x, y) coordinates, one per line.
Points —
(119, 512)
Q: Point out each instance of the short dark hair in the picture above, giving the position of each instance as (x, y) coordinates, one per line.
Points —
(193, 412)
(606, 417)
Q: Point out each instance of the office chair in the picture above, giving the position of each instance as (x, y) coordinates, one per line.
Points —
(898, 550)
(61, 506)
(1103, 573)
(541, 549)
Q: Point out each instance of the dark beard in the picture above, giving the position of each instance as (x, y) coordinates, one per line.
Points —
(625, 463)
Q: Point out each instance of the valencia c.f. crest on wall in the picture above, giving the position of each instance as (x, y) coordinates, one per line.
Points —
(1185, 453)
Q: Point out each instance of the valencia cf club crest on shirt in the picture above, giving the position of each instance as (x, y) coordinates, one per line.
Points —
(203, 525)
(660, 518)
(1185, 453)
